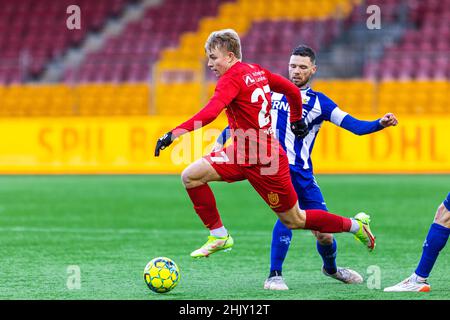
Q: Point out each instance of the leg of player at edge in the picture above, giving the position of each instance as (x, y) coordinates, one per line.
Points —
(195, 178)
(435, 241)
(325, 222)
(327, 248)
(309, 197)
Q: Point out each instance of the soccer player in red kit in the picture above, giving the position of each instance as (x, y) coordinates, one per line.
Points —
(255, 155)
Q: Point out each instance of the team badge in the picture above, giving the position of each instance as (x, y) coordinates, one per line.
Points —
(273, 198)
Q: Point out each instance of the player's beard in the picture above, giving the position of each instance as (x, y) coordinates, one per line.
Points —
(302, 82)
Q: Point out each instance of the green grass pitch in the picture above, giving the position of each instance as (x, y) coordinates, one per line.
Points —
(111, 226)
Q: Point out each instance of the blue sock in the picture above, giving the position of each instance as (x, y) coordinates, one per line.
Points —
(436, 239)
(281, 239)
(328, 254)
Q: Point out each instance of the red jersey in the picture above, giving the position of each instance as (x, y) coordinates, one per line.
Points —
(244, 90)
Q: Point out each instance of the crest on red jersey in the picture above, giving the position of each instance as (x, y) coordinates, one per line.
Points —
(273, 199)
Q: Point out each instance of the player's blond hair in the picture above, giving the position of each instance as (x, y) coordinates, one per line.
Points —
(227, 39)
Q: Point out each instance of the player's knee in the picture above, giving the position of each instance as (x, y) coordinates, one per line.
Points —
(290, 224)
(195, 174)
(443, 216)
(324, 238)
(294, 218)
(301, 218)
(187, 178)
(285, 220)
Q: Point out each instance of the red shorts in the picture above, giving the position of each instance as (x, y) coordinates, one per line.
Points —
(272, 182)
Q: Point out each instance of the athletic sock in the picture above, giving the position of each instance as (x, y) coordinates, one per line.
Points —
(205, 205)
(328, 254)
(436, 239)
(355, 226)
(219, 232)
(275, 273)
(418, 278)
(281, 239)
(325, 222)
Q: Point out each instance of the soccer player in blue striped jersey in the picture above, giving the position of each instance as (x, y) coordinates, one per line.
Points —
(435, 241)
(317, 108)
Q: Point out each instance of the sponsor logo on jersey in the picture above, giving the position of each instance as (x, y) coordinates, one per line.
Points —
(254, 77)
(249, 80)
(280, 105)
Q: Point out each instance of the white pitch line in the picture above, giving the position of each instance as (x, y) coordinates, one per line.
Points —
(22, 229)
(88, 230)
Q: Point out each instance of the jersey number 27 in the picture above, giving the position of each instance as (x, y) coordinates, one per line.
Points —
(263, 116)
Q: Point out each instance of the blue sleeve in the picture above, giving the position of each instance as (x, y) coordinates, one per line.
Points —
(360, 127)
(224, 136)
(447, 202)
(327, 105)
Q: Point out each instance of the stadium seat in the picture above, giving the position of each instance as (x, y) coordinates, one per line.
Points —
(131, 53)
(430, 37)
(114, 80)
(85, 100)
(32, 30)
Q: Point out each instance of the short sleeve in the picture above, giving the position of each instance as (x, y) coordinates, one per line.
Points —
(330, 110)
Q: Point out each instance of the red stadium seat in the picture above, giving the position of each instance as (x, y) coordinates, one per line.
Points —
(430, 38)
(269, 42)
(142, 41)
(35, 26)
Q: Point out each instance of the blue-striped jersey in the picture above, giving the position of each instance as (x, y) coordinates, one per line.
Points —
(317, 108)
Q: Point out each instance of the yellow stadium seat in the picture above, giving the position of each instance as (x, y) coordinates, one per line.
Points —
(439, 99)
(139, 105)
(420, 96)
(228, 10)
(10, 106)
(87, 105)
(61, 100)
(439, 109)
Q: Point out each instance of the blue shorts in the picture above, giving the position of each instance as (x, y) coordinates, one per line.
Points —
(308, 192)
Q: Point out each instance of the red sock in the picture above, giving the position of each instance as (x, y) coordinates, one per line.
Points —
(205, 205)
(325, 222)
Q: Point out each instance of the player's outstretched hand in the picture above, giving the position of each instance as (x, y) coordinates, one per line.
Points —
(300, 128)
(388, 120)
(163, 142)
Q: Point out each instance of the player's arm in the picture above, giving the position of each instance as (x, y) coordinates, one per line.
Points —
(362, 127)
(282, 85)
(225, 92)
(205, 116)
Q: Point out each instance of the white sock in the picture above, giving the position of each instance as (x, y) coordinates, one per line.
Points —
(355, 226)
(219, 232)
(419, 278)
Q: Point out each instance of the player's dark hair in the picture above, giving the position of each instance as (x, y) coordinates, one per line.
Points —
(305, 51)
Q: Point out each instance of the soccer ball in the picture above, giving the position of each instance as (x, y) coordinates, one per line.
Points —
(161, 275)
